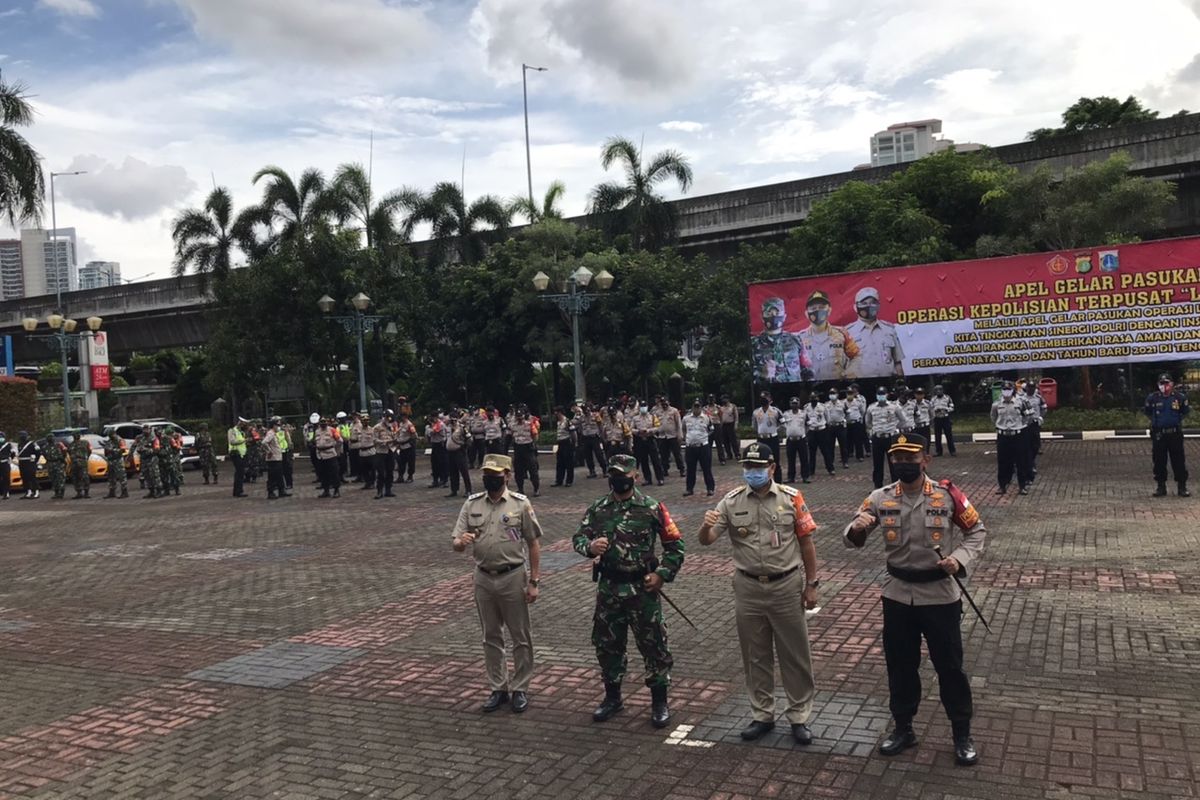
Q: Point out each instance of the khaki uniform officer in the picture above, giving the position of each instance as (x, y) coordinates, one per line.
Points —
(503, 529)
(771, 529)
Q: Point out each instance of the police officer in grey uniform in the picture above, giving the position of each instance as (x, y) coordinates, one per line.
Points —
(918, 518)
(503, 532)
(1012, 449)
(836, 415)
(795, 429)
(884, 424)
(922, 414)
(942, 406)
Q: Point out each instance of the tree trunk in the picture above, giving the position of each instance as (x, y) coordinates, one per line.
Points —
(1085, 375)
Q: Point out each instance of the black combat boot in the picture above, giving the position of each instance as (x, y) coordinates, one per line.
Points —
(611, 704)
(1183, 490)
(660, 714)
(177, 491)
(1161, 491)
(206, 480)
(125, 492)
(111, 493)
(150, 496)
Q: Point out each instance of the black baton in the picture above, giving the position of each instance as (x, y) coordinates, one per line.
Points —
(938, 549)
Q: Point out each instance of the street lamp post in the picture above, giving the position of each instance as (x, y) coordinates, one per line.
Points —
(357, 325)
(62, 335)
(528, 163)
(575, 302)
(54, 239)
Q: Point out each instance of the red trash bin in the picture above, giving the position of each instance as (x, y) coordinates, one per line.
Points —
(1049, 389)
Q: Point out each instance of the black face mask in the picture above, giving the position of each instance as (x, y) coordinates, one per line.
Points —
(493, 483)
(906, 471)
(620, 484)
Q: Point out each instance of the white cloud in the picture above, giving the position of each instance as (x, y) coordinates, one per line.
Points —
(339, 33)
(71, 8)
(133, 190)
(686, 126)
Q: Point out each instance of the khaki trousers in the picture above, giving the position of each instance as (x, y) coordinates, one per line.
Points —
(770, 622)
(500, 600)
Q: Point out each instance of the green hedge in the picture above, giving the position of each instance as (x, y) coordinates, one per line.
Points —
(18, 406)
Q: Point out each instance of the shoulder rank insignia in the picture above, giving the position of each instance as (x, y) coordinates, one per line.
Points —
(519, 496)
(476, 496)
(736, 492)
(788, 490)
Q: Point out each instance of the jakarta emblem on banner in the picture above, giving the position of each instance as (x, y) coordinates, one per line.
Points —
(1100, 305)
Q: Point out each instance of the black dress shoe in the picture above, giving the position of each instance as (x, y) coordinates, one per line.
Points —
(898, 741)
(1023, 490)
(965, 754)
(1161, 491)
(494, 701)
(688, 494)
(801, 733)
(757, 730)
(1183, 490)
(1002, 490)
(520, 702)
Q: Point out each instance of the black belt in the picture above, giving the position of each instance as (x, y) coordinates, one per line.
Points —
(502, 570)
(837, 424)
(1007, 433)
(917, 575)
(1166, 430)
(882, 435)
(621, 576)
(771, 578)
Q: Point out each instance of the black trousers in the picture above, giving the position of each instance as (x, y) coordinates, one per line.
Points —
(459, 470)
(1167, 445)
(700, 454)
(943, 426)
(329, 473)
(923, 430)
(1033, 440)
(593, 453)
(615, 448)
(5, 477)
(564, 463)
(28, 472)
(478, 451)
(343, 461)
(773, 443)
(879, 448)
(495, 445)
(287, 468)
(668, 446)
(239, 473)
(729, 438)
(312, 458)
(439, 465)
(856, 433)
(646, 453)
(1012, 454)
(355, 464)
(840, 436)
(797, 449)
(383, 471)
(903, 628)
(275, 478)
(820, 441)
(406, 463)
(366, 469)
(525, 464)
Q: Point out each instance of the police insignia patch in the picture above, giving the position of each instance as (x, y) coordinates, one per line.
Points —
(743, 532)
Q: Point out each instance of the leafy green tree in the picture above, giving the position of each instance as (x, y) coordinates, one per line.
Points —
(206, 238)
(289, 209)
(522, 206)
(22, 185)
(634, 207)
(1093, 113)
(459, 230)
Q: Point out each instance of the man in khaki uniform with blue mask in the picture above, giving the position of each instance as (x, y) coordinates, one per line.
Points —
(501, 528)
(775, 581)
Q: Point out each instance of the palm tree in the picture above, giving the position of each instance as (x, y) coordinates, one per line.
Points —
(350, 199)
(289, 209)
(460, 226)
(549, 208)
(205, 237)
(22, 185)
(634, 206)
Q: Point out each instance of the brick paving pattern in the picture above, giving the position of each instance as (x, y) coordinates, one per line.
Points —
(202, 647)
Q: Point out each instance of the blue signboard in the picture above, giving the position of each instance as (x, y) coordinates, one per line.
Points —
(6, 357)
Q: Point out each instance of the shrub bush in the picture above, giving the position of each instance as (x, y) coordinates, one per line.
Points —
(18, 406)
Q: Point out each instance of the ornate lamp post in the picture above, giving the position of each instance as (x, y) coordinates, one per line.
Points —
(357, 324)
(62, 335)
(575, 301)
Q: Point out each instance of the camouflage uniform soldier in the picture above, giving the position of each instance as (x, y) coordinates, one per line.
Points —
(163, 461)
(147, 446)
(175, 453)
(255, 463)
(80, 452)
(116, 465)
(204, 449)
(779, 357)
(619, 530)
(56, 462)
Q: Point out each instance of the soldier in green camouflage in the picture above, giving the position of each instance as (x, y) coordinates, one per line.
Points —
(619, 530)
(80, 451)
(147, 447)
(163, 461)
(204, 449)
(116, 465)
(175, 459)
(56, 464)
(779, 357)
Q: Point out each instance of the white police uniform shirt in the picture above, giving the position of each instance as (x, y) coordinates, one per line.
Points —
(795, 424)
(942, 406)
(882, 419)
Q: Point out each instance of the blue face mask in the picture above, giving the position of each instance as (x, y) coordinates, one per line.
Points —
(757, 477)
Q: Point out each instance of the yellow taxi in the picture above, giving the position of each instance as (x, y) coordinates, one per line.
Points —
(97, 466)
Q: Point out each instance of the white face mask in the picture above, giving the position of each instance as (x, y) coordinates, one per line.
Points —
(1006, 393)
(645, 409)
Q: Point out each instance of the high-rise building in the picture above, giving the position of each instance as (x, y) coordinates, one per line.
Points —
(12, 278)
(97, 274)
(48, 261)
(908, 141)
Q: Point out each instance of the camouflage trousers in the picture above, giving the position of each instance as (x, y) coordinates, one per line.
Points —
(80, 479)
(614, 616)
(116, 476)
(176, 470)
(165, 475)
(151, 477)
(208, 464)
(58, 479)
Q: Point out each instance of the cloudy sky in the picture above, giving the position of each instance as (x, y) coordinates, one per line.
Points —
(157, 99)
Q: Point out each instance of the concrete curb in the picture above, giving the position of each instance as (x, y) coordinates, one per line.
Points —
(1091, 436)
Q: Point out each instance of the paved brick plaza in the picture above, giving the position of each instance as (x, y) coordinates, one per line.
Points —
(211, 648)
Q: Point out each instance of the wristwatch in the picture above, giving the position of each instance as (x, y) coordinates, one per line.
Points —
(814, 583)
(533, 582)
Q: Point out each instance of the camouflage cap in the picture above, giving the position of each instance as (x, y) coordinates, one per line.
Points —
(495, 462)
(757, 453)
(622, 463)
(773, 304)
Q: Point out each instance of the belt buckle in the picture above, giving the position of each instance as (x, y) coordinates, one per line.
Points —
(763, 578)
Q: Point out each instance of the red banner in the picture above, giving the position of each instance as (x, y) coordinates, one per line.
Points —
(101, 376)
(1098, 305)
